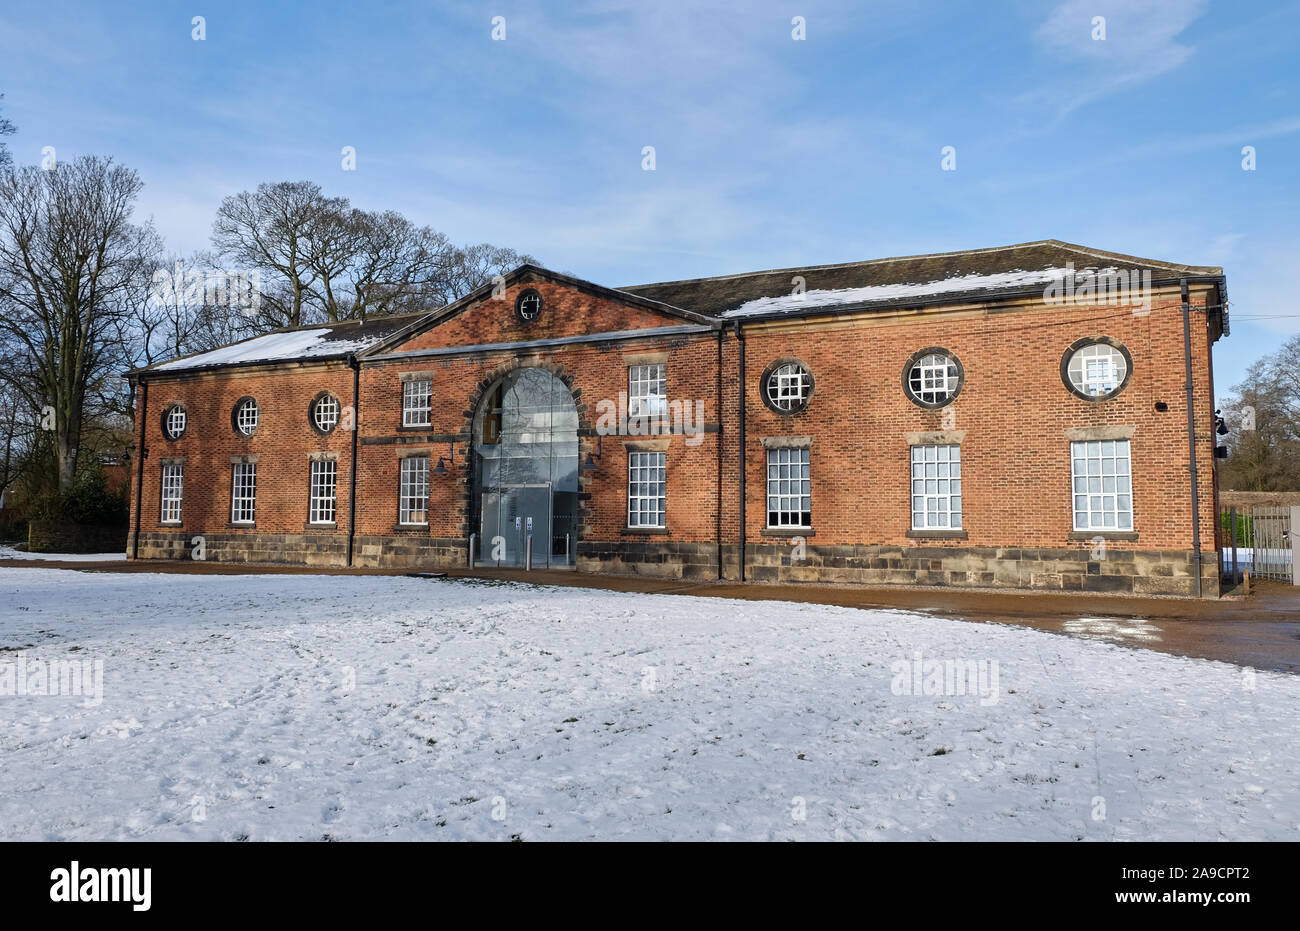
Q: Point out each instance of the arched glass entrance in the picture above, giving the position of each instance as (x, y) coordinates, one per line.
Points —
(526, 470)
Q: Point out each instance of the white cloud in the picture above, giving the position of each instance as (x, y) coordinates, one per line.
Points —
(1142, 42)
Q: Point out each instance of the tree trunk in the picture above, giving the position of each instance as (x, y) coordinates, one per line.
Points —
(67, 462)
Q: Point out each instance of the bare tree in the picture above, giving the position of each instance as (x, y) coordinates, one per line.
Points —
(19, 423)
(475, 266)
(321, 260)
(381, 263)
(274, 230)
(72, 266)
(6, 129)
(185, 312)
(1263, 418)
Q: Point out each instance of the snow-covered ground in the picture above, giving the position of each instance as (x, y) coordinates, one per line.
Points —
(301, 707)
(8, 552)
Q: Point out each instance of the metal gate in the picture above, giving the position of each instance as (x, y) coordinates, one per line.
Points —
(1258, 538)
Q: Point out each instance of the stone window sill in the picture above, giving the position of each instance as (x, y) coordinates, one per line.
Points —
(645, 531)
(1104, 534)
(787, 532)
(938, 534)
(242, 525)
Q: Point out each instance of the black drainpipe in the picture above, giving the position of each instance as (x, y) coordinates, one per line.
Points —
(740, 338)
(139, 470)
(1191, 435)
(717, 532)
(355, 365)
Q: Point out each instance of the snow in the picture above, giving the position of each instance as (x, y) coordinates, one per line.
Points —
(291, 344)
(793, 303)
(371, 707)
(1278, 560)
(8, 552)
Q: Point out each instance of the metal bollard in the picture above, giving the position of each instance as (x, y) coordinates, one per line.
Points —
(528, 553)
(473, 539)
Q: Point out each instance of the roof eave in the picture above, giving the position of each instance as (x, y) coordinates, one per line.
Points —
(903, 304)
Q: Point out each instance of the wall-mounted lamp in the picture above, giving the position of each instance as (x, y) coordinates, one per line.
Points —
(441, 467)
(590, 464)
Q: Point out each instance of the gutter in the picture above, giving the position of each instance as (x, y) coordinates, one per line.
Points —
(1191, 436)
(717, 531)
(139, 471)
(355, 365)
(740, 338)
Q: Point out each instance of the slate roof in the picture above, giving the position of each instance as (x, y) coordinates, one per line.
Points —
(315, 342)
(903, 281)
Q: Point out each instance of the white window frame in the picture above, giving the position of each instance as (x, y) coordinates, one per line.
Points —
(176, 421)
(323, 492)
(413, 492)
(782, 495)
(934, 382)
(243, 493)
(1080, 368)
(247, 415)
(647, 489)
(326, 404)
(936, 487)
(173, 491)
(788, 386)
(647, 390)
(1101, 485)
(417, 402)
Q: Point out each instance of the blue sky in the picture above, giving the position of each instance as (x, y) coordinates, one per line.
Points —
(770, 152)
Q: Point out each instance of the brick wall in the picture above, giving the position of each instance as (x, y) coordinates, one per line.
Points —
(1013, 408)
(282, 446)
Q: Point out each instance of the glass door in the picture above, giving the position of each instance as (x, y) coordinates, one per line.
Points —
(511, 514)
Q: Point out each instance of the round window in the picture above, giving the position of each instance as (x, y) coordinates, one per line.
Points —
(325, 412)
(245, 416)
(1096, 368)
(174, 421)
(933, 377)
(528, 306)
(787, 386)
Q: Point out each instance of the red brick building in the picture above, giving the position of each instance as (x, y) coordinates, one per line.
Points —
(1031, 416)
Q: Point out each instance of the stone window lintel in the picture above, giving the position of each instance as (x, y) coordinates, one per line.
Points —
(935, 438)
(786, 442)
(1079, 434)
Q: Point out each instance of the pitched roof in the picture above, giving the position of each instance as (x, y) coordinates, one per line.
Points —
(529, 272)
(915, 279)
(945, 277)
(315, 342)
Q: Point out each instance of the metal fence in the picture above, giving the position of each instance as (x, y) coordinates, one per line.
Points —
(1258, 539)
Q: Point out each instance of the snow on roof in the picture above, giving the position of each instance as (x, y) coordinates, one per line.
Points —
(807, 300)
(289, 344)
